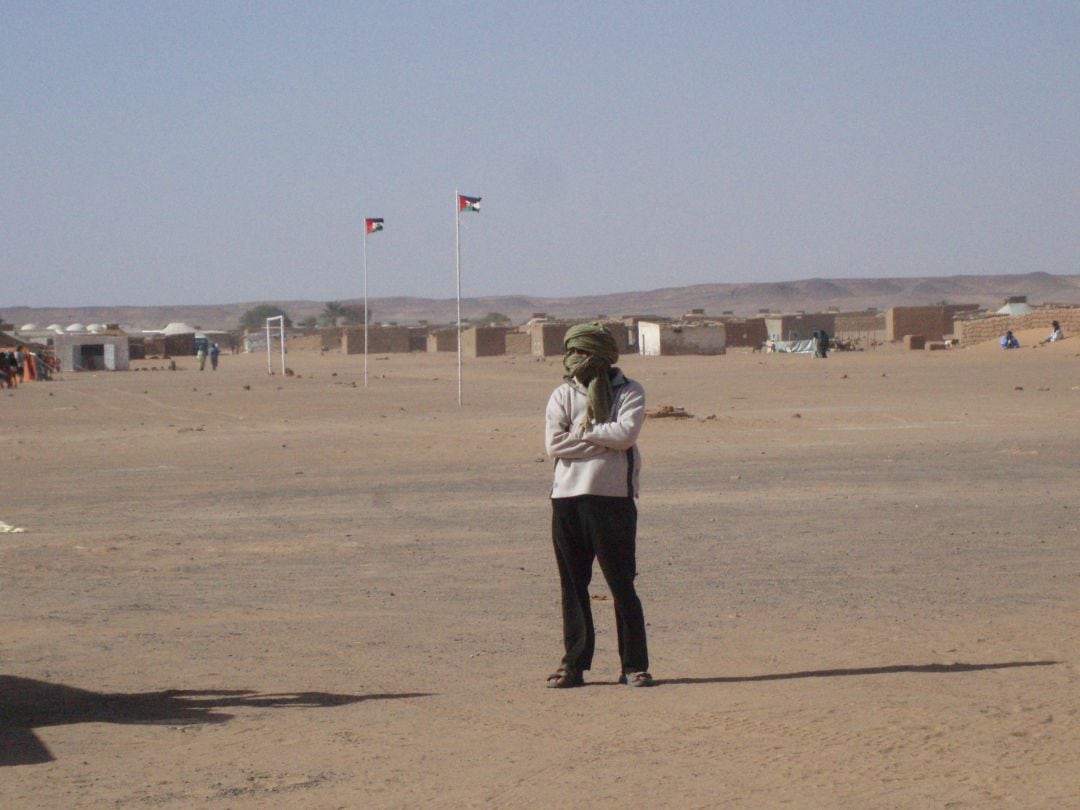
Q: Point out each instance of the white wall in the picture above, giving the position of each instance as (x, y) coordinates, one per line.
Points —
(668, 339)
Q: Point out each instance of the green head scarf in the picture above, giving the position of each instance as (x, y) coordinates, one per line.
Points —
(593, 369)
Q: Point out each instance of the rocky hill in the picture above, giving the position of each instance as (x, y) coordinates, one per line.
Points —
(810, 295)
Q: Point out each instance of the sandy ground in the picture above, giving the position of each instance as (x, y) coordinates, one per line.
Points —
(238, 590)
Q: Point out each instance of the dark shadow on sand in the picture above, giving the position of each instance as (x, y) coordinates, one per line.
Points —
(26, 704)
(930, 669)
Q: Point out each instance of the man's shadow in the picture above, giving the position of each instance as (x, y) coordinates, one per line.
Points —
(835, 673)
(27, 704)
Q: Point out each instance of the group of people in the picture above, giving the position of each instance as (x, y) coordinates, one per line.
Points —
(13, 367)
(1009, 341)
(214, 352)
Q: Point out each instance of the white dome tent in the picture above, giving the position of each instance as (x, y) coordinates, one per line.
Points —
(178, 328)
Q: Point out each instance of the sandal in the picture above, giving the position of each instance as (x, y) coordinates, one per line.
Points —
(564, 678)
(636, 678)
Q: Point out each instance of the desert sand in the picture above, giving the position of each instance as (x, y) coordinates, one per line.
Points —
(237, 590)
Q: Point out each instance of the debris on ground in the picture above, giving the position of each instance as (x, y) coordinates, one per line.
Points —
(669, 412)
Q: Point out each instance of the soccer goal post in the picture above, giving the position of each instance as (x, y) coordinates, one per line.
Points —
(281, 336)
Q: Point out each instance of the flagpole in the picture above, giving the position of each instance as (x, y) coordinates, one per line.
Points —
(365, 304)
(457, 245)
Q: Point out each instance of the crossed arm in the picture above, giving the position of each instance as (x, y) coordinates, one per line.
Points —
(563, 439)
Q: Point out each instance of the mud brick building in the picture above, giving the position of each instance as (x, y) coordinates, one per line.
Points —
(385, 339)
(745, 331)
(800, 326)
(442, 340)
(992, 327)
(519, 343)
(484, 341)
(933, 322)
(547, 338)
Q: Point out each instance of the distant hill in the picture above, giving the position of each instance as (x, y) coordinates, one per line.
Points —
(810, 295)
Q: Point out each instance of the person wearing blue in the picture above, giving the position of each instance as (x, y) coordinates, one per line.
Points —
(1009, 341)
(214, 352)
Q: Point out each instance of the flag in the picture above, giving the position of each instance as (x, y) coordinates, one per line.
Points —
(373, 225)
(468, 203)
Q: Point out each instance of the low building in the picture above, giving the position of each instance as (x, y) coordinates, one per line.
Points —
(518, 343)
(745, 331)
(382, 339)
(442, 340)
(800, 326)
(547, 338)
(92, 352)
(932, 322)
(484, 341)
(675, 338)
(418, 338)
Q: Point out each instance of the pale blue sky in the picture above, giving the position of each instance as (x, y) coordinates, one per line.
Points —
(213, 152)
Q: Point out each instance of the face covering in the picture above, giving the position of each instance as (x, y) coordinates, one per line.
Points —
(592, 370)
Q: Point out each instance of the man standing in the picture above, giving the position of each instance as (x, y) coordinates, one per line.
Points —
(822, 343)
(592, 424)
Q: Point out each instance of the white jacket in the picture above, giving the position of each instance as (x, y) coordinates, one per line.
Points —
(595, 459)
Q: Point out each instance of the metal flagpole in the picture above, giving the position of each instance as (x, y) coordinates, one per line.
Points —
(457, 245)
(365, 304)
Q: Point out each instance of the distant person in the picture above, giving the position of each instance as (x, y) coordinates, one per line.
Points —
(214, 352)
(1009, 341)
(201, 354)
(1055, 334)
(6, 371)
(592, 423)
(12, 369)
(20, 363)
(822, 349)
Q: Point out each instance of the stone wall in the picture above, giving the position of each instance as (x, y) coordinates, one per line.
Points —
(980, 330)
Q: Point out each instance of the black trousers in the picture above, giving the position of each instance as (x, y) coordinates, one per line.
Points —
(591, 527)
